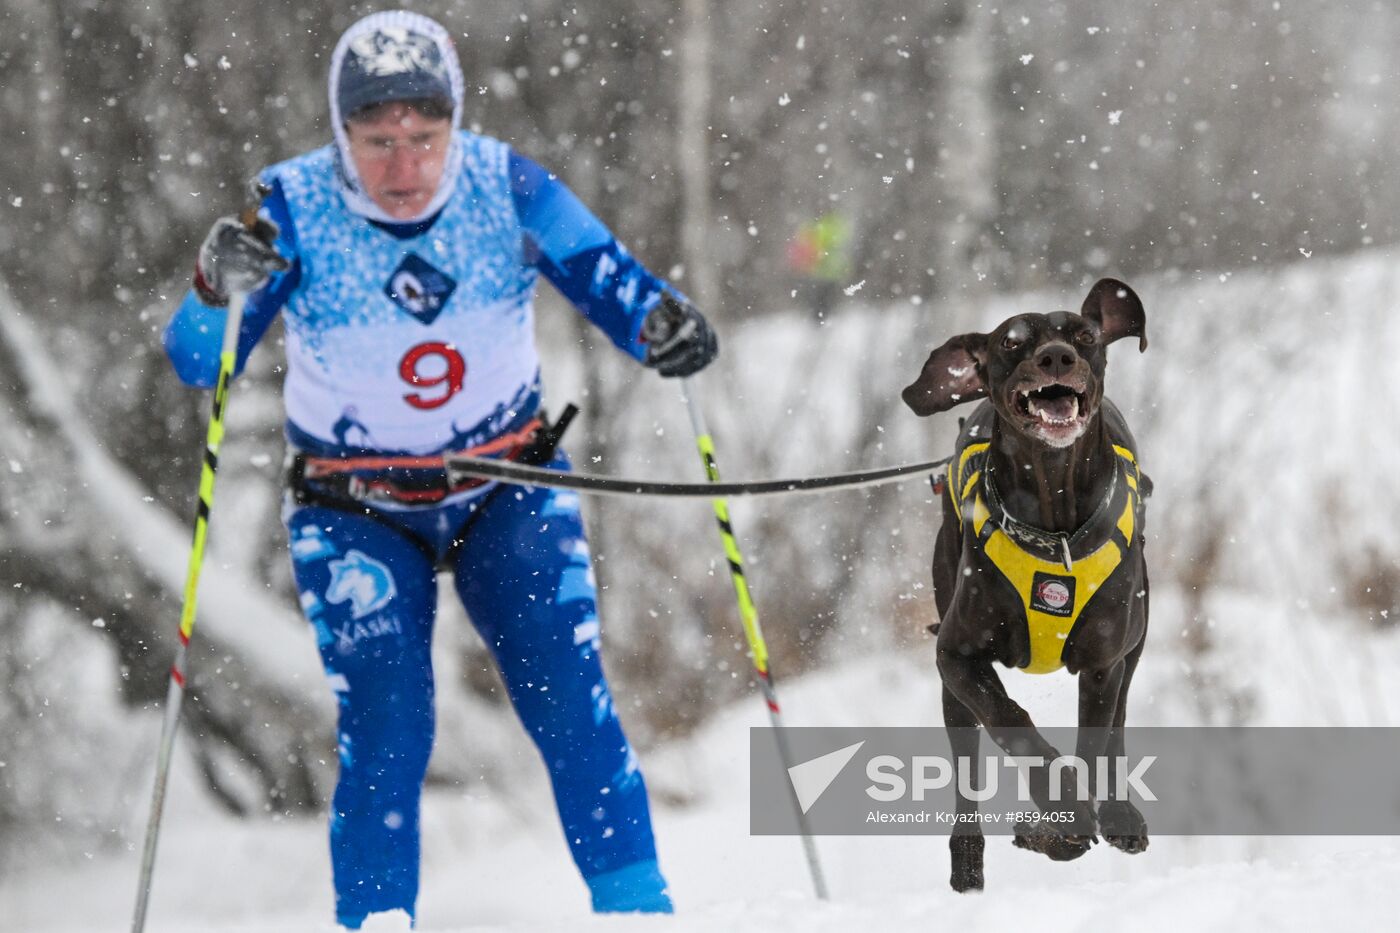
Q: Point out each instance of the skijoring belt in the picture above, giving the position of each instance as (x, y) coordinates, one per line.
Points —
(417, 480)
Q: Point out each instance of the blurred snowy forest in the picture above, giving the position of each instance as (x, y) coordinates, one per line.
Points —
(1225, 157)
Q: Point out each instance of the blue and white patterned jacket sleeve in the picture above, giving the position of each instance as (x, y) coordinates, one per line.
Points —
(195, 335)
(581, 257)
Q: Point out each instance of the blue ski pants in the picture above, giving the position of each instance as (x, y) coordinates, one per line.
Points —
(524, 575)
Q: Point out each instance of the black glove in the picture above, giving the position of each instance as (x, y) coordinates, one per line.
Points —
(679, 340)
(234, 258)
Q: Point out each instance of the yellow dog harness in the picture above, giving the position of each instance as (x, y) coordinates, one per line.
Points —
(1053, 592)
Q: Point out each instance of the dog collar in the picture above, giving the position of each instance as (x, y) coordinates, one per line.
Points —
(1059, 545)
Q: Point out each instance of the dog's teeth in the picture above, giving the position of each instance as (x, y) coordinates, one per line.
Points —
(1048, 418)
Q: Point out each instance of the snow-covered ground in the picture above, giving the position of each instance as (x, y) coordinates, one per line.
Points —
(498, 862)
(1275, 499)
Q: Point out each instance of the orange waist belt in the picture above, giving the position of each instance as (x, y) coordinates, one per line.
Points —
(431, 484)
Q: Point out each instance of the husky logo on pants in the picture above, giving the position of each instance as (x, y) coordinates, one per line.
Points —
(364, 581)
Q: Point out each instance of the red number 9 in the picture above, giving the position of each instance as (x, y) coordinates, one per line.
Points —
(449, 373)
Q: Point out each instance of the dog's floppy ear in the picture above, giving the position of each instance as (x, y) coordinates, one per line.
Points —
(1117, 310)
(952, 375)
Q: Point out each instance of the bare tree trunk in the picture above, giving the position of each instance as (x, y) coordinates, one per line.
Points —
(968, 154)
(693, 132)
(76, 533)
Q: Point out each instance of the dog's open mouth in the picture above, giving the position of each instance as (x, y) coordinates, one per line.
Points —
(1055, 411)
(1053, 404)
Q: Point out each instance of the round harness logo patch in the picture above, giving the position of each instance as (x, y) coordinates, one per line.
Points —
(1052, 595)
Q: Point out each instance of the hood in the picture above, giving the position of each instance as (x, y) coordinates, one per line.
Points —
(392, 35)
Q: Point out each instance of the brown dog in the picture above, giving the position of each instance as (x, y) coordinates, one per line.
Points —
(1039, 561)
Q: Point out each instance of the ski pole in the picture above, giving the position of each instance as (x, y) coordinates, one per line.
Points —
(175, 693)
(758, 648)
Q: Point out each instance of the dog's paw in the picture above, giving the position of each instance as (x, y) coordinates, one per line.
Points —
(1057, 846)
(967, 862)
(1123, 826)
